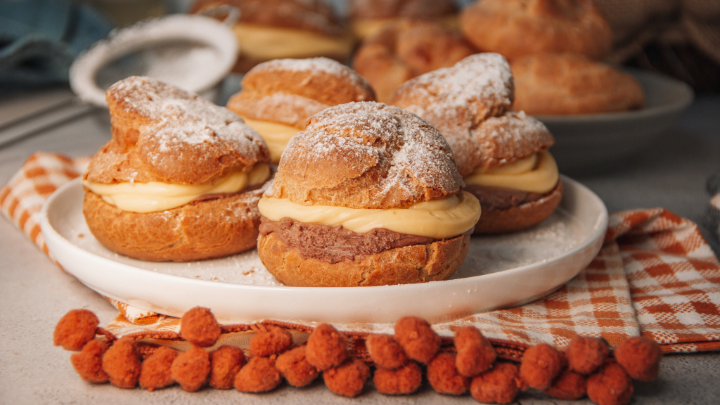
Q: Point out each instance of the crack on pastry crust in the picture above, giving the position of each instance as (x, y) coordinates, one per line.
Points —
(165, 134)
(470, 105)
(366, 155)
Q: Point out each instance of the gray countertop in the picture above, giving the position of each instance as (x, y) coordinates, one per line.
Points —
(34, 293)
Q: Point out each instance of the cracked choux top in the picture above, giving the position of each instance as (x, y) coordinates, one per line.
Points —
(162, 134)
(366, 156)
(470, 104)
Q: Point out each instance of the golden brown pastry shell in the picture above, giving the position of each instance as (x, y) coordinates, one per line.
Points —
(306, 91)
(136, 154)
(560, 84)
(195, 231)
(406, 265)
(366, 155)
(521, 217)
(406, 49)
(516, 28)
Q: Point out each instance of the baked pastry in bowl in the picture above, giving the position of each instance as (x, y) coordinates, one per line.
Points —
(565, 84)
(516, 28)
(279, 96)
(179, 180)
(367, 17)
(275, 29)
(367, 194)
(501, 154)
(405, 49)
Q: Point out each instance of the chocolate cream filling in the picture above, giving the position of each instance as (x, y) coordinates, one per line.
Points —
(335, 244)
(496, 198)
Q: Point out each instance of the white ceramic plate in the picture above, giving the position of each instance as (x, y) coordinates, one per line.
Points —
(499, 272)
(593, 142)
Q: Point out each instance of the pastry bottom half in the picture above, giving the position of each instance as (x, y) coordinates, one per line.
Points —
(518, 217)
(437, 260)
(196, 231)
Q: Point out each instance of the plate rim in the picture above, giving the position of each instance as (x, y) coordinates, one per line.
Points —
(597, 118)
(47, 227)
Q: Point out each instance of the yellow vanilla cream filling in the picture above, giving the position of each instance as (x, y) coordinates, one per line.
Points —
(439, 219)
(365, 28)
(276, 135)
(265, 43)
(535, 174)
(157, 196)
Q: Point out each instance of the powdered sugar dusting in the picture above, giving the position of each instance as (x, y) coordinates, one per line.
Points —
(470, 103)
(498, 138)
(412, 159)
(479, 85)
(177, 118)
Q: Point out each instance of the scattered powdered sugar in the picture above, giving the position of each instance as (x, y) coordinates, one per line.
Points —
(557, 235)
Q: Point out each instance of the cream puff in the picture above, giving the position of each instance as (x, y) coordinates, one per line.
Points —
(179, 180)
(368, 194)
(501, 154)
(405, 49)
(368, 17)
(275, 29)
(279, 96)
(515, 28)
(564, 84)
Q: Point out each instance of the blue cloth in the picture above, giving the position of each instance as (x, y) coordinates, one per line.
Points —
(39, 39)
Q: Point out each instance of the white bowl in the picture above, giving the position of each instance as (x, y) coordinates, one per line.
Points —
(189, 51)
(499, 272)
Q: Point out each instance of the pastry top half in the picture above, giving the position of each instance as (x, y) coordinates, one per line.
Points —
(573, 84)
(316, 16)
(289, 91)
(470, 104)
(515, 28)
(382, 9)
(368, 156)
(164, 134)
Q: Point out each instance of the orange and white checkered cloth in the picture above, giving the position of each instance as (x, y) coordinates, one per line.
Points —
(655, 276)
